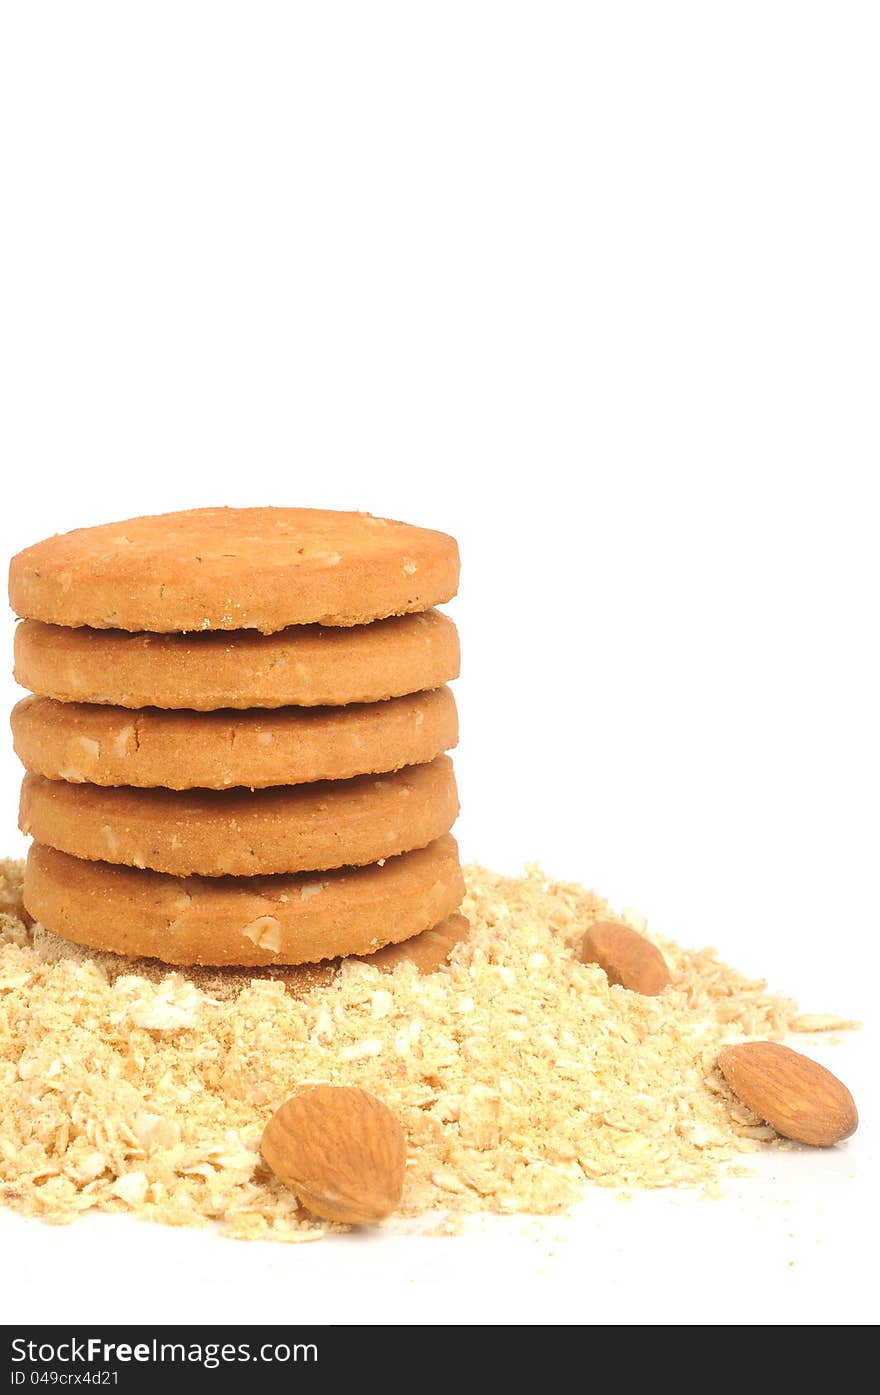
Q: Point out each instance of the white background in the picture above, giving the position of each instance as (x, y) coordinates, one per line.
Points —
(594, 287)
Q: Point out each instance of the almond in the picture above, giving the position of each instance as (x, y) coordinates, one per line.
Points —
(341, 1150)
(626, 956)
(799, 1098)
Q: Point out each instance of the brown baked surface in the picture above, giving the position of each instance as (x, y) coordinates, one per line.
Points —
(235, 832)
(243, 920)
(79, 741)
(308, 666)
(232, 569)
(428, 952)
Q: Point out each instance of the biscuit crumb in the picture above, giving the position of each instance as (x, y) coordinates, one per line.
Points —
(518, 1074)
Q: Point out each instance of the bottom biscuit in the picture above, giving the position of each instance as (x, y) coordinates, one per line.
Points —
(272, 920)
(428, 952)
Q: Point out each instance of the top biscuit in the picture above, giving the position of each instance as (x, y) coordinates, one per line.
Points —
(234, 569)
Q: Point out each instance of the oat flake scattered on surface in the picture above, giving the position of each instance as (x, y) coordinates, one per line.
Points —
(519, 1076)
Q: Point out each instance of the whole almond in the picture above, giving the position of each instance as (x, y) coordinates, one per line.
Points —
(799, 1098)
(626, 956)
(341, 1150)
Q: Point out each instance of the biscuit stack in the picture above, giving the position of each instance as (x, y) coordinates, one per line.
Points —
(235, 753)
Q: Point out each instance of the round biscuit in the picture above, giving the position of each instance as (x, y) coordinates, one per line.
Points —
(85, 742)
(219, 833)
(243, 920)
(428, 952)
(234, 569)
(305, 666)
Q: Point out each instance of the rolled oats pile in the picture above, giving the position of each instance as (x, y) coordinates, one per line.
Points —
(518, 1074)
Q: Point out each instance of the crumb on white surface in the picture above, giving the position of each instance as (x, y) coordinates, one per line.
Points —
(520, 1077)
